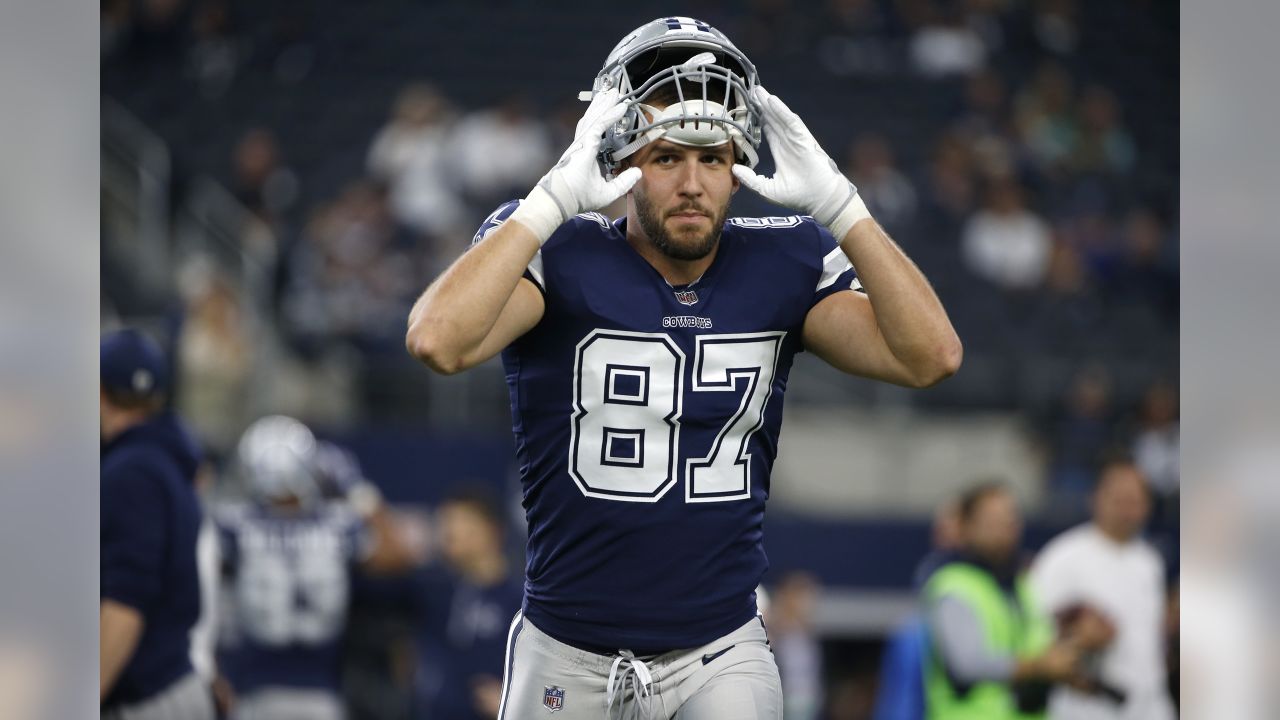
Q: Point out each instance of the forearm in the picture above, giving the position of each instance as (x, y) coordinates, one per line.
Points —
(1031, 669)
(457, 311)
(120, 628)
(908, 312)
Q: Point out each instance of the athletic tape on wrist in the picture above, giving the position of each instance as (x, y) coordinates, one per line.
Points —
(540, 212)
(853, 211)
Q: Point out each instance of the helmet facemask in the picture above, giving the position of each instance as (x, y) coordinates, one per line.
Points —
(689, 91)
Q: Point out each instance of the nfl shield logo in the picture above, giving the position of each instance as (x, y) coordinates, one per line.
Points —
(553, 698)
(688, 297)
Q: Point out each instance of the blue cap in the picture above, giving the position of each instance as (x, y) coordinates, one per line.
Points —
(133, 363)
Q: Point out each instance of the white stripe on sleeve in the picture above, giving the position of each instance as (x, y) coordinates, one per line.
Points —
(535, 269)
(835, 263)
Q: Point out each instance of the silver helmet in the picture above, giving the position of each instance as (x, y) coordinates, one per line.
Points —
(276, 458)
(710, 84)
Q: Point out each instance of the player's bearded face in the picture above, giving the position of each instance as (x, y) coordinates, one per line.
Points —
(682, 202)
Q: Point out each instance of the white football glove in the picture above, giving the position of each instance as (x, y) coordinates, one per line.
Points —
(576, 184)
(805, 179)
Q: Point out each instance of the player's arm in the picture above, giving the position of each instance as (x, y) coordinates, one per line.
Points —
(482, 303)
(119, 629)
(960, 639)
(479, 305)
(1051, 577)
(899, 331)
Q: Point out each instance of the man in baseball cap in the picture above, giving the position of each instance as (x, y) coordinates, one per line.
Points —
(150, 592)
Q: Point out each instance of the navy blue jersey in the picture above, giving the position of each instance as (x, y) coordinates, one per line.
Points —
(150, 517)
(287, 590)
(646, 420)
(462, 637)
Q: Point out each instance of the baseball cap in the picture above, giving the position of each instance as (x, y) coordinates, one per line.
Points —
(133, 363)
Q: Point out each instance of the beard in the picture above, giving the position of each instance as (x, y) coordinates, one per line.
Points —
(655, 228)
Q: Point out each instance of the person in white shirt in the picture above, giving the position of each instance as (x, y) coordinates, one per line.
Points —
(1106, 566)
(1004, 242)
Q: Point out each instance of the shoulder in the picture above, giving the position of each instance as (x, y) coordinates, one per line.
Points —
(588, 223)
(340, 516)
(231, 520)
(135, 470)
(1068, 545)
(1150, 555)
(163, 450)
(799, 245)
(494, 219)
(584, 227)
(795, 238)
(796, 234)
(957, 578)
(230, 515)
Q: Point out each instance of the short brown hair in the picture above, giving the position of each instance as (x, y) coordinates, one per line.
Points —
(976, 493)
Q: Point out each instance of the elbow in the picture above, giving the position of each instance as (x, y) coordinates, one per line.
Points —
(427, 348)
(943, 362)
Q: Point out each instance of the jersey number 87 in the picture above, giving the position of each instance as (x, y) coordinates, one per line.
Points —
(628, 398)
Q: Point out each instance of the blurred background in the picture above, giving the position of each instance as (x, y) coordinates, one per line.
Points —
(281, 179)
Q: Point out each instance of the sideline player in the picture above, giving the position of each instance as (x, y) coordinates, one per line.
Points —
(150, 591)
(287, 558)
(647, 359)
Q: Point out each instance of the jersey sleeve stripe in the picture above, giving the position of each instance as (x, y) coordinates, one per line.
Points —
(535, 271)
(833, 265)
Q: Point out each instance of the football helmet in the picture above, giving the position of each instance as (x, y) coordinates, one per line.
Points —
(711, 80)
(276, 458)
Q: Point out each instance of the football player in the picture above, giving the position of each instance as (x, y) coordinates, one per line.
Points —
(647, 358)
(287, 557)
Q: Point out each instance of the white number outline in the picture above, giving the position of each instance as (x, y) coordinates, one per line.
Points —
(770, 222)
(269, 580)
(755, 376)
(672, 420)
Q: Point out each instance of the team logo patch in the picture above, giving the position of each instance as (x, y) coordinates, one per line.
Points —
(688, 297)
(553, 698)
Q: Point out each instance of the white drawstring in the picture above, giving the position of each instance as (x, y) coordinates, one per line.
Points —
(641, 688)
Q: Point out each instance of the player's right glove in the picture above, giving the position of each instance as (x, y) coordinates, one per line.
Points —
(576, 183)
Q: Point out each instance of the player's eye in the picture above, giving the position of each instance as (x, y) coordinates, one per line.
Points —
(713, 159)
(665, 159)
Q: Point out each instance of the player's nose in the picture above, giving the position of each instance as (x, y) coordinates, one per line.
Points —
(691, 180)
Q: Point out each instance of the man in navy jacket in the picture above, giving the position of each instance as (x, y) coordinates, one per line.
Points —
(150, 593)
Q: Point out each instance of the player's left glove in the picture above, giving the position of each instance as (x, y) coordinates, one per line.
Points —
(576, 183)
(806, 179)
